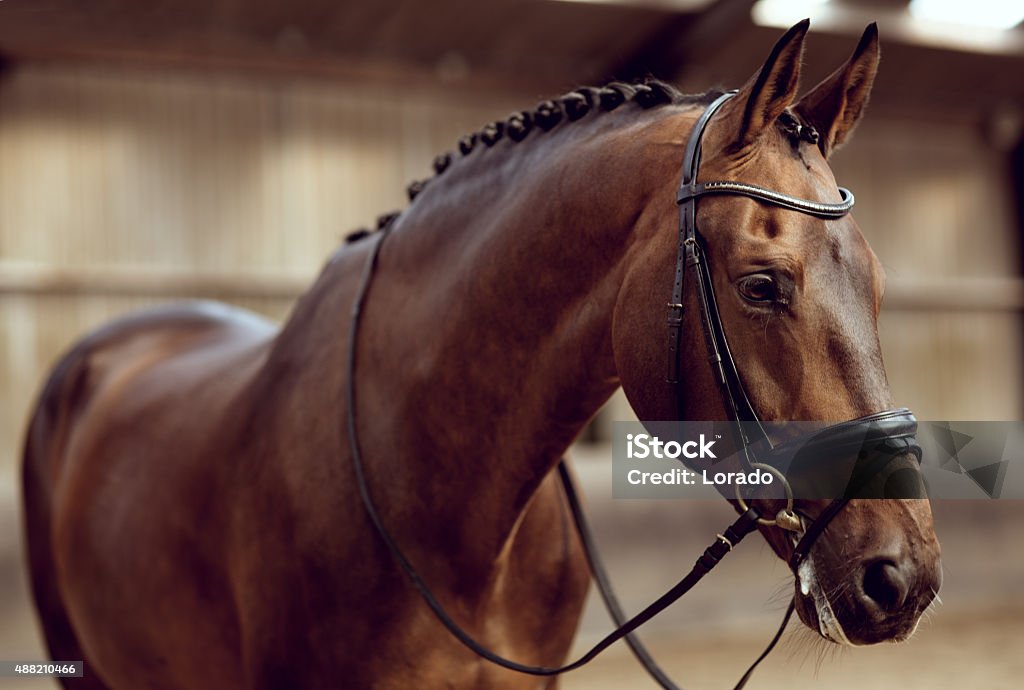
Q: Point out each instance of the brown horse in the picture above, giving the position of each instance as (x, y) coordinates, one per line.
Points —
(191, 511)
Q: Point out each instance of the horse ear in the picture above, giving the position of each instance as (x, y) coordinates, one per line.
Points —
(769, 92)
(835, 105)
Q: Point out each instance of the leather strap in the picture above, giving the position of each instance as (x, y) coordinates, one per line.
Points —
(691, 162)
(771, 645)
(812, 208)
(604, 588)
(871, 429)
(603, 582)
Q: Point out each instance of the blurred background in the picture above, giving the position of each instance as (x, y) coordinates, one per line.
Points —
(160, 151)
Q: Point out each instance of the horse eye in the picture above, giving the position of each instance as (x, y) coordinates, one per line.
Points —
(758, 288)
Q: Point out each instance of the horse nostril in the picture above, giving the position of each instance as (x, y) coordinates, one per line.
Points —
(885, 585)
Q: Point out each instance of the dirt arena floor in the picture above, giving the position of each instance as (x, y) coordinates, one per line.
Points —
(706, 641)
(960, 651)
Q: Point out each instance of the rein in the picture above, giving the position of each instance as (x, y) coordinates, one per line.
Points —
(895, 437)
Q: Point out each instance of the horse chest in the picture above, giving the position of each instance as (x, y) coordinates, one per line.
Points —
(530, 613)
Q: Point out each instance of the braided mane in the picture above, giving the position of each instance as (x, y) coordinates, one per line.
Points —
(544, 117)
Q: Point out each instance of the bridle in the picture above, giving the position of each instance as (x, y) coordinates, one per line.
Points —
(889, 433)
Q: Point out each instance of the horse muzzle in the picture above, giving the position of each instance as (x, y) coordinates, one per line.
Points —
(864, 552)
(879, 597)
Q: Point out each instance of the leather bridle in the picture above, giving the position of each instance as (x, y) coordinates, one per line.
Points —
(889, 433)
(897, 425)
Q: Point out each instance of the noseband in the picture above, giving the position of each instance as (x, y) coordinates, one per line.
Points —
(889, 433)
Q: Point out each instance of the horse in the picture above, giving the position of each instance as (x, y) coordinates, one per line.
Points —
(192, 513)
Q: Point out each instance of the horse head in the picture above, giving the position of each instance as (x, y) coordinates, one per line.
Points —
(798, 296)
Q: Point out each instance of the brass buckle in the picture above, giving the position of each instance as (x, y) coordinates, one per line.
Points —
(786, 518)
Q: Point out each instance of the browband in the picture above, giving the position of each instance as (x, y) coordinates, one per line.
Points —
(812, 208)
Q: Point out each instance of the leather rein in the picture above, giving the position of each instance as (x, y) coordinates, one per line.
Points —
(894, 430)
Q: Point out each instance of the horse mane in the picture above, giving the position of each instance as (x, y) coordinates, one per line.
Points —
(545, 116)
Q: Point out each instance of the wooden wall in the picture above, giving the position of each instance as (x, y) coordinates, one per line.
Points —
(936, 202)
(121, 186)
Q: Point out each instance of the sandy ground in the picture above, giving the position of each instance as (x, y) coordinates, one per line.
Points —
(975, 640)
(983, 649)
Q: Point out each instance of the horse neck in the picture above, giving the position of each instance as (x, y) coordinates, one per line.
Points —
(486, 345)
